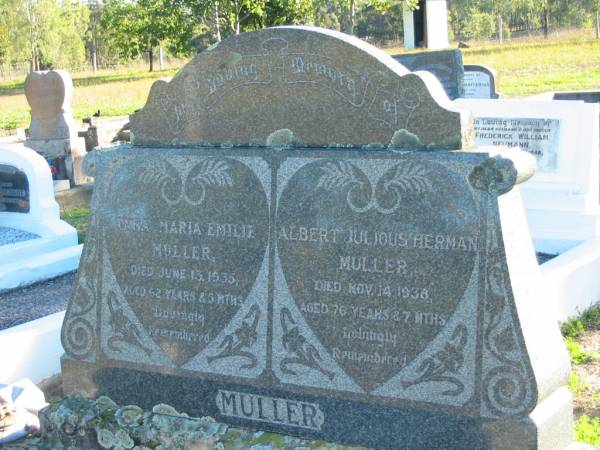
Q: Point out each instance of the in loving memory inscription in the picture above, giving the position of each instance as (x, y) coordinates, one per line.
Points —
(391, 109)
(297, 274)
(280, 71)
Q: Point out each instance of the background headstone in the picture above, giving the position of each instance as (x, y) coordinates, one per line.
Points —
(14, 190)
(370, 296)
(34, 243)
(446, 65)
(479, 82)
(562, 198)
(52, 132)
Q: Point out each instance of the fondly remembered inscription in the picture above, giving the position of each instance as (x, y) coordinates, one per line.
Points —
(14, 190)
(540, 137)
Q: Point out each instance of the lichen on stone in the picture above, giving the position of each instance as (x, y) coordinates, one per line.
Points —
(106, 438)
(123, 440)
(164, 428)
(405, 139)
(129, 415)
(281, 138)
(161, 408)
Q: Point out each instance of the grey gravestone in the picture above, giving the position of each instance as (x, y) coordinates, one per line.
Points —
(14, 190)
(366, 296)
(479, 82)
(446, 65)
(539, 137)
(261, 87)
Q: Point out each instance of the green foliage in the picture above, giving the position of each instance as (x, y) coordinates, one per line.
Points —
(479, 25)
(47, 33)
(591, 318)
(139, 28)
(587, 430)
(79, 219)
(576, 385)
(587, 320)
(577, 354)
(573, 328)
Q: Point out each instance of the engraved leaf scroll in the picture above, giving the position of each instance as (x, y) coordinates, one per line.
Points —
(363, 194)
(183, 184)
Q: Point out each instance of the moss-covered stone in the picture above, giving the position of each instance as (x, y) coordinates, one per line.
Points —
(77, 423)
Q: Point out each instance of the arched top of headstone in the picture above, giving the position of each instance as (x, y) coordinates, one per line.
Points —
(49, 93)
(299, 86)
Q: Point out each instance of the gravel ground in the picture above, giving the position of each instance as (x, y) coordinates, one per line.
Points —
(21, 305)
(12, 236)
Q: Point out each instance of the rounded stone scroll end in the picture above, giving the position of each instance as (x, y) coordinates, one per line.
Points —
(502, 170)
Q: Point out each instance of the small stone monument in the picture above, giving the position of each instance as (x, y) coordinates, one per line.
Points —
(34, 243)
(445, 65)
(479, 82)
(318, 259)
(52, 132)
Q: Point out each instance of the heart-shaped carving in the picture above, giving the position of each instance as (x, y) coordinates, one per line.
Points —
(47, 93)
(377, 253)
(186, 237)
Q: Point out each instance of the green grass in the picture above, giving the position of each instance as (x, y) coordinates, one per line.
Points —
(587, 320)
(79, 219)
(576, 385)
(530, 66)
(587, 430)
(524, 67)
(114, 94)
(577, 354)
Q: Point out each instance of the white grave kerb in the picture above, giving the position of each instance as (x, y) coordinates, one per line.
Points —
(53, 250)
(43, 217)
(561, 200)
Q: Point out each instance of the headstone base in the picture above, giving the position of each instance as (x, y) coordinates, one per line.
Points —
(353, 424)
(50, 148)
(63, 148)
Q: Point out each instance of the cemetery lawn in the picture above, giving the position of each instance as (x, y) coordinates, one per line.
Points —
(582, 336)
(114, 94)
(78, 218)
(569, 61)
(525, 67)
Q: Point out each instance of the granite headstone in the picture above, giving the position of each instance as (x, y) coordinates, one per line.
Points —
(479, 82)
(372, 296)
(446, 65)
(260, 89)
(14, 189)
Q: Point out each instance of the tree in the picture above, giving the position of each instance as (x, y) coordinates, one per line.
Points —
(593, 6)
(140, 27)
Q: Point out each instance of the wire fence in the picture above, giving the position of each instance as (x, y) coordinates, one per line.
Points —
(15, 70)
